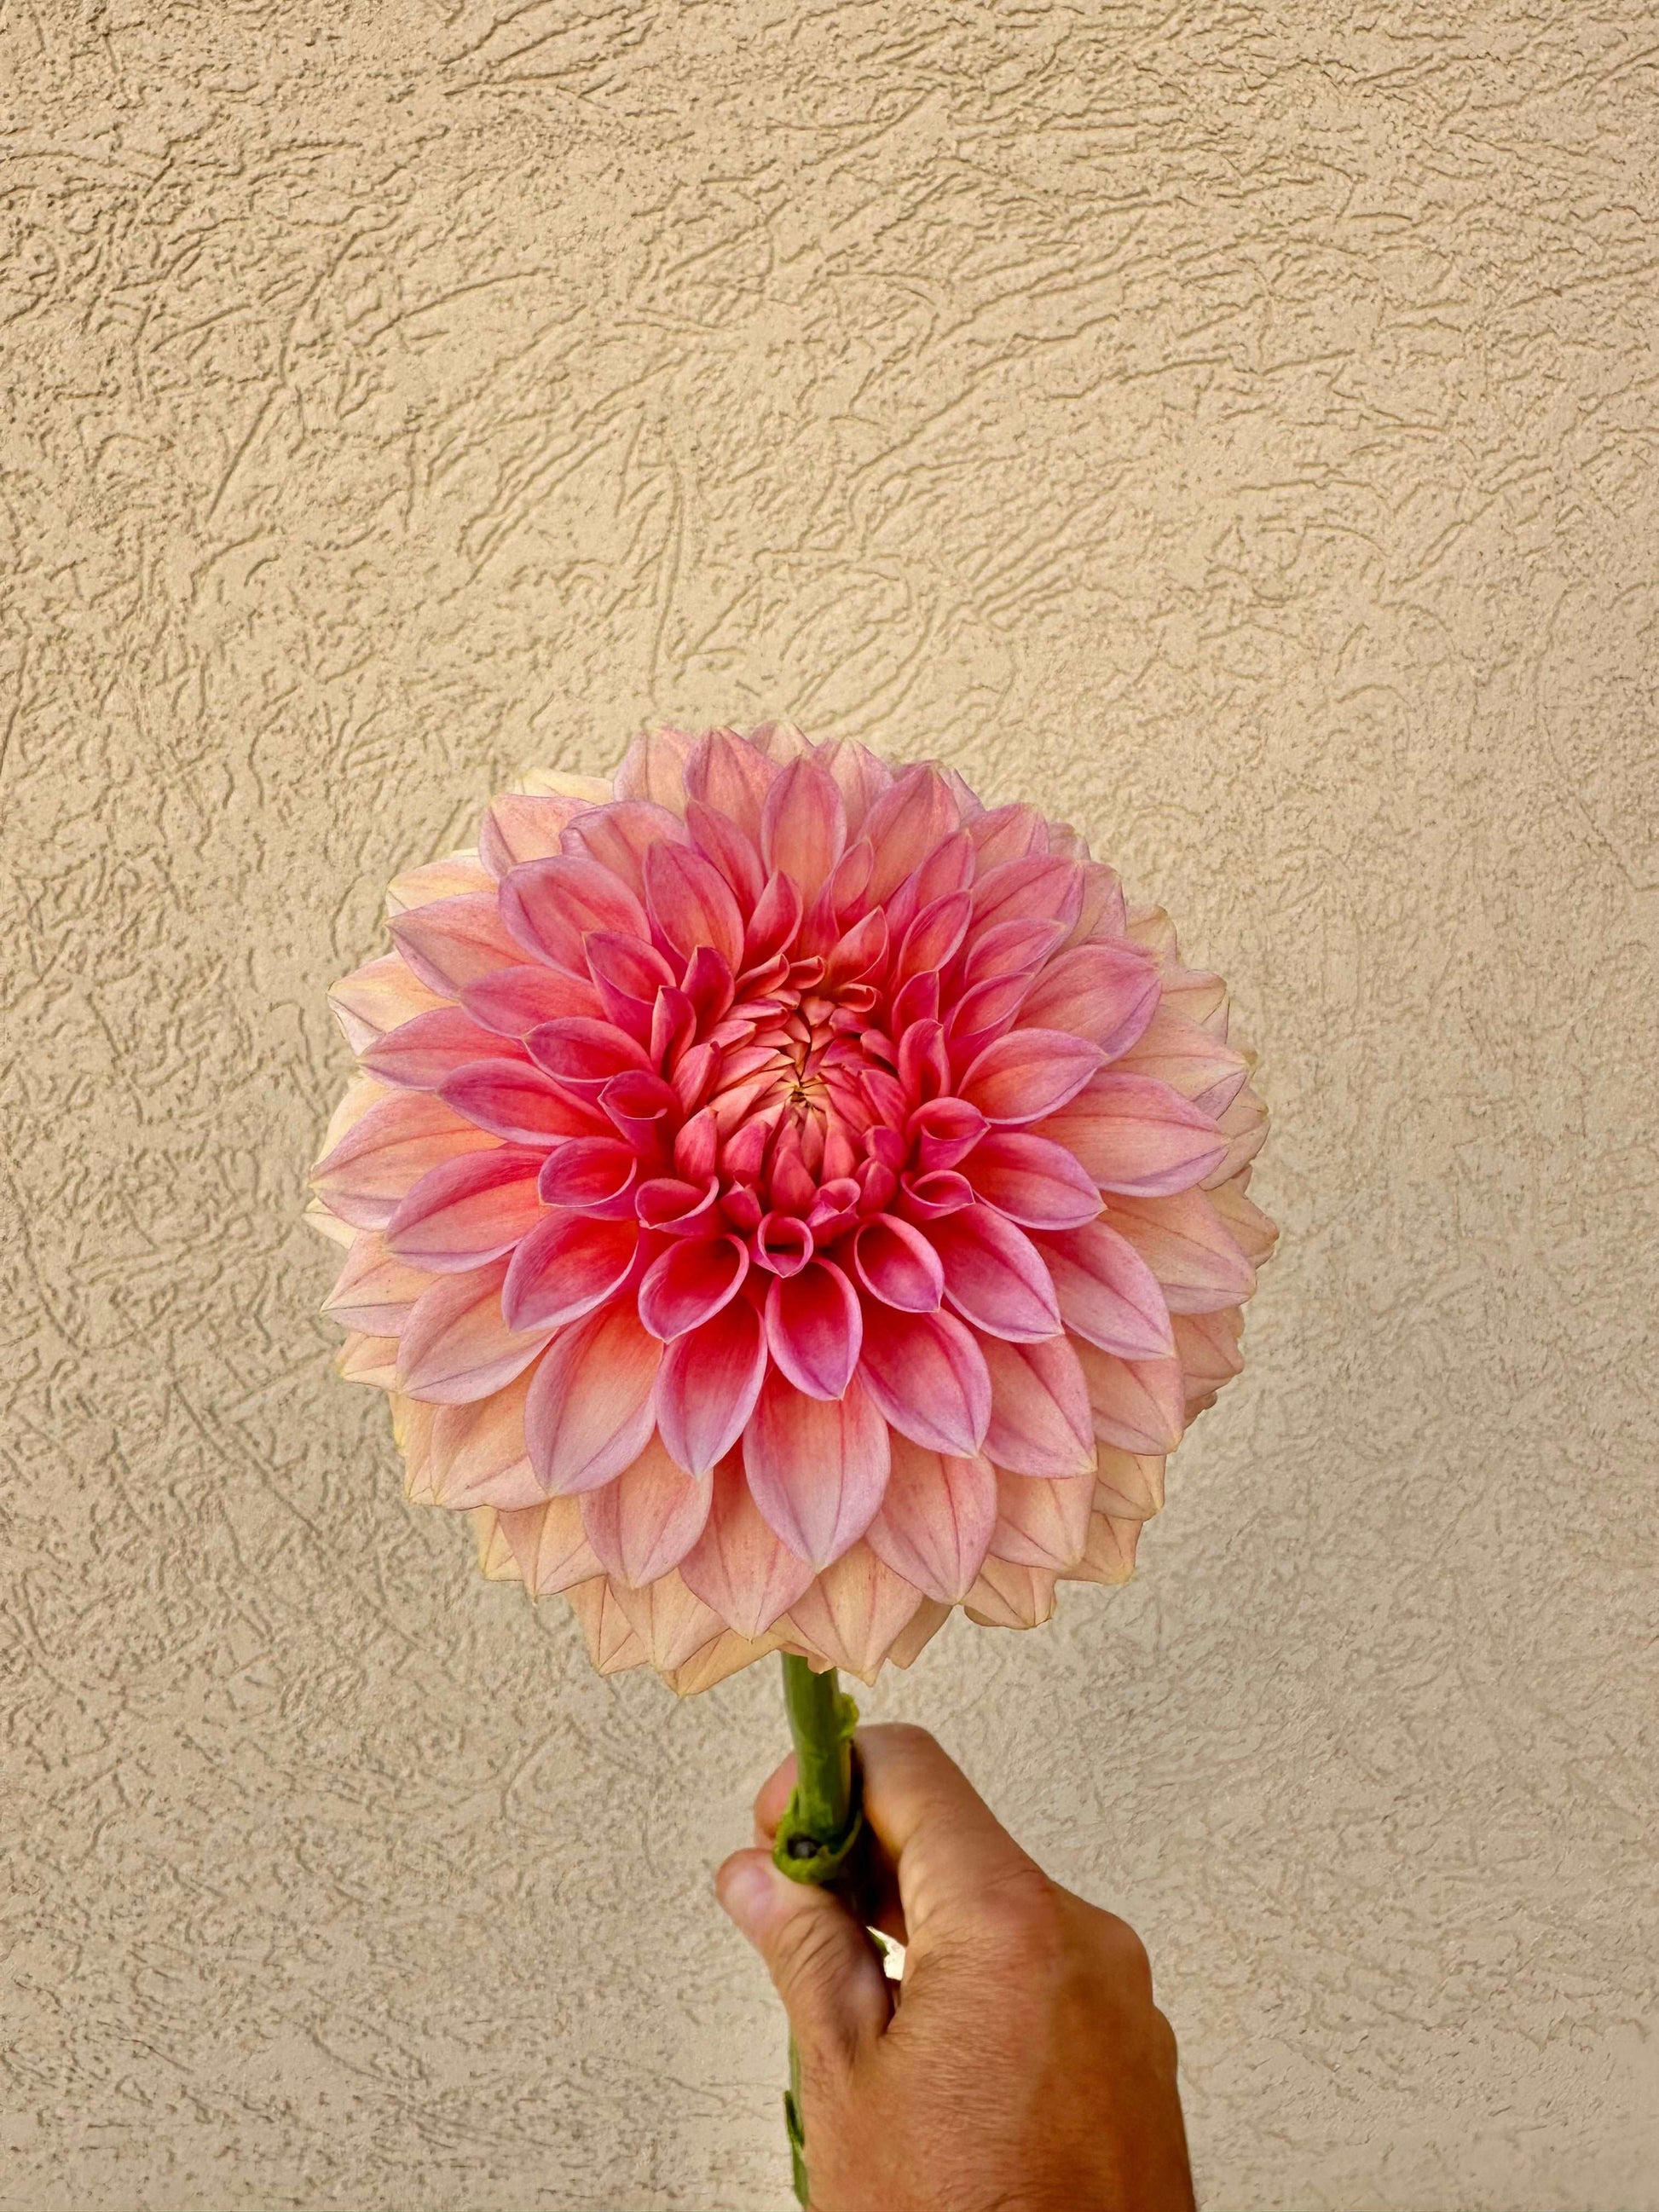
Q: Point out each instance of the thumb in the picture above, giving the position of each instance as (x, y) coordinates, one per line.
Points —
(823, 1965)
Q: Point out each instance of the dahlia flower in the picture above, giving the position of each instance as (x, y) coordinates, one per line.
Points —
(786, 1199)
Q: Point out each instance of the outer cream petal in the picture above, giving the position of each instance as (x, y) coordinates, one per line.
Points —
(1009, 1597)
(1111, 1557)
(721, 1656)
(560, 783)
(371, 1359)
(924, 1624)
(852, 1610)
(613, 1643)
(450, 878)
(671, 1624)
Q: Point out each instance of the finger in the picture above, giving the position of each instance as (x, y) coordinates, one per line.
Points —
(948, 1850)
(823, 1965)
(879, 1893)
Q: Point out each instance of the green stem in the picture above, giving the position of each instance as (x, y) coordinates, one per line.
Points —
(820, 1827)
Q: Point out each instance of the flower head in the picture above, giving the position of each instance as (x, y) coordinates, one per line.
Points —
(786, 1199)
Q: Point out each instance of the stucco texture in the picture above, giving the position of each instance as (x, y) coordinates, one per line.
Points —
(1232, 427)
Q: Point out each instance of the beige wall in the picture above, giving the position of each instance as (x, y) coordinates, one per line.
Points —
(1234, 426)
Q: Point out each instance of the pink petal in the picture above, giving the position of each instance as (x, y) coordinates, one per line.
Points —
(739, 1565)
(419, 1054)
(589, 1414)
(549, 906)
(1187, 1245)
(896, 1264)
(1106, 993)
(934, 935)
(376, 1290)
(709, 1381)
(814, 1328)
(851, 1613)
(817, 1466)
(646, 1521)
(860, 777)
(1103, 914)
(1042, 1522)
(456, 1346)
(1033, 1180)
(927, 1376)
(936, 1518)
(1008, 948)
(587, 1172)
(691, 905)
(994, 1276)
(983, 1015)
(944, 1131)
(379, 996)
(1108, 1294)
(387, 1152)
(782, 1243)
(1040, 1420)
(1008, 833)
(627, 973)
(690, 1283)
(514, 1100)
(521, 826)
(512, 1001)
(638, 1103)
(731, 776)
(476, 1455)
(454, 941)
(1137, 1404)
(1137, 1136)
(911, 816)
(803, 831)
(1039, 887)
(773, 925)
(653, 768)
(619, 836)
(568, 1265)
(468, 1210)
(1178, 1051)
(1028, 1073)
(582, 1056)
(719, 840)
(677, 1209)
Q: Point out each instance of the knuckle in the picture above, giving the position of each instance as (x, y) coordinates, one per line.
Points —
(1130, 1959)
(806, 1950)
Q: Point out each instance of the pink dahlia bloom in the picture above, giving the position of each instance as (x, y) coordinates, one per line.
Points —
(786, 1199)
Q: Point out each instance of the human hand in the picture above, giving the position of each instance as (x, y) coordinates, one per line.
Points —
(1021, 2066)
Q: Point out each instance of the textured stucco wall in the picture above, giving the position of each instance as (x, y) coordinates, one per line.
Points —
(1234, 425)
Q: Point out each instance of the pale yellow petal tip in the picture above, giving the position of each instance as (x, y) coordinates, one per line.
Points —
(316, 1215)
(561, 783)
(371, 1359)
